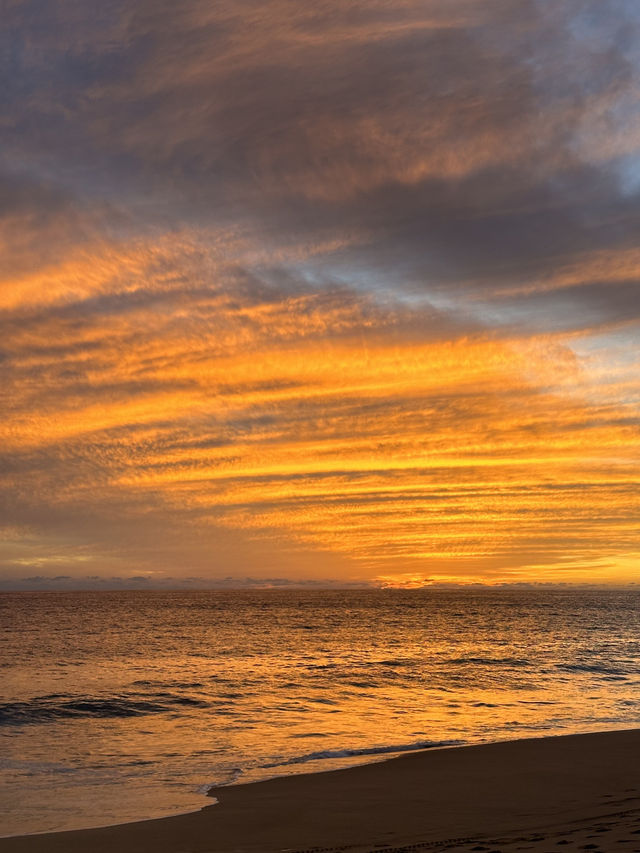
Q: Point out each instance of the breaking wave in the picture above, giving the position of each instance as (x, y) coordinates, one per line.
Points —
(47, 709)
(322, 755)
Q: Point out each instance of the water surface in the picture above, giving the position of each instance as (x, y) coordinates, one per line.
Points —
(125, 705)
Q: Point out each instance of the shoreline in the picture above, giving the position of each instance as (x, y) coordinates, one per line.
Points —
(447, 796)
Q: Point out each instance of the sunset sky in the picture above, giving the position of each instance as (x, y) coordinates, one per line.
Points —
(332, 292)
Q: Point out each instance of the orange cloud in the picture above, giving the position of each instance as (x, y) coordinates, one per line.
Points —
(325, 422)
(330, 284)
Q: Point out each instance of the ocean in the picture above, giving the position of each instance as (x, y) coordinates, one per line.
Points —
(118, 706)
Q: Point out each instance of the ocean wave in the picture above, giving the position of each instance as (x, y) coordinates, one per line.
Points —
(47, 709)
(327, 754)
(593, 668)
(181, 685)
(229, 778)
(481, 661)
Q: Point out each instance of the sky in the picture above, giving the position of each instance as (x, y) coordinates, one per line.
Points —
(319, 293)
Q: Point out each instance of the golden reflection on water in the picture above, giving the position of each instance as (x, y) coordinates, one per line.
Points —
(124, 698)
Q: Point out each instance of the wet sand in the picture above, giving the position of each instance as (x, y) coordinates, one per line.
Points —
(578, 792)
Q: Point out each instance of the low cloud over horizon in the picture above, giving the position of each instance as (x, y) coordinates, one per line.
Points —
(342, 291)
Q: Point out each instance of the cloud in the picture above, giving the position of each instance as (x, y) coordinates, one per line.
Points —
(350, 284)
(271, 421)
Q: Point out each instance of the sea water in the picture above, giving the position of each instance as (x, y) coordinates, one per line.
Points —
(118, 706)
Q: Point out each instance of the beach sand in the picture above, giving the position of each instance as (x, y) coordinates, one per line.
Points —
(577, 792)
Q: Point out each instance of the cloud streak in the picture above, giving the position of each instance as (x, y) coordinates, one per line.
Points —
(332, 292)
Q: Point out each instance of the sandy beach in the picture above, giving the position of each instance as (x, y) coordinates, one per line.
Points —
(576, 792)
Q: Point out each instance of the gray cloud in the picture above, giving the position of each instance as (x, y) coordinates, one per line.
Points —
(464, 147)
(194, 195)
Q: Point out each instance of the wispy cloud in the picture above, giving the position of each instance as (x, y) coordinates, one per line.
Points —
(321, 292)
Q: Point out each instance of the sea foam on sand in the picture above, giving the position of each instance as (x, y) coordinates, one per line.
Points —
(577, 791)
